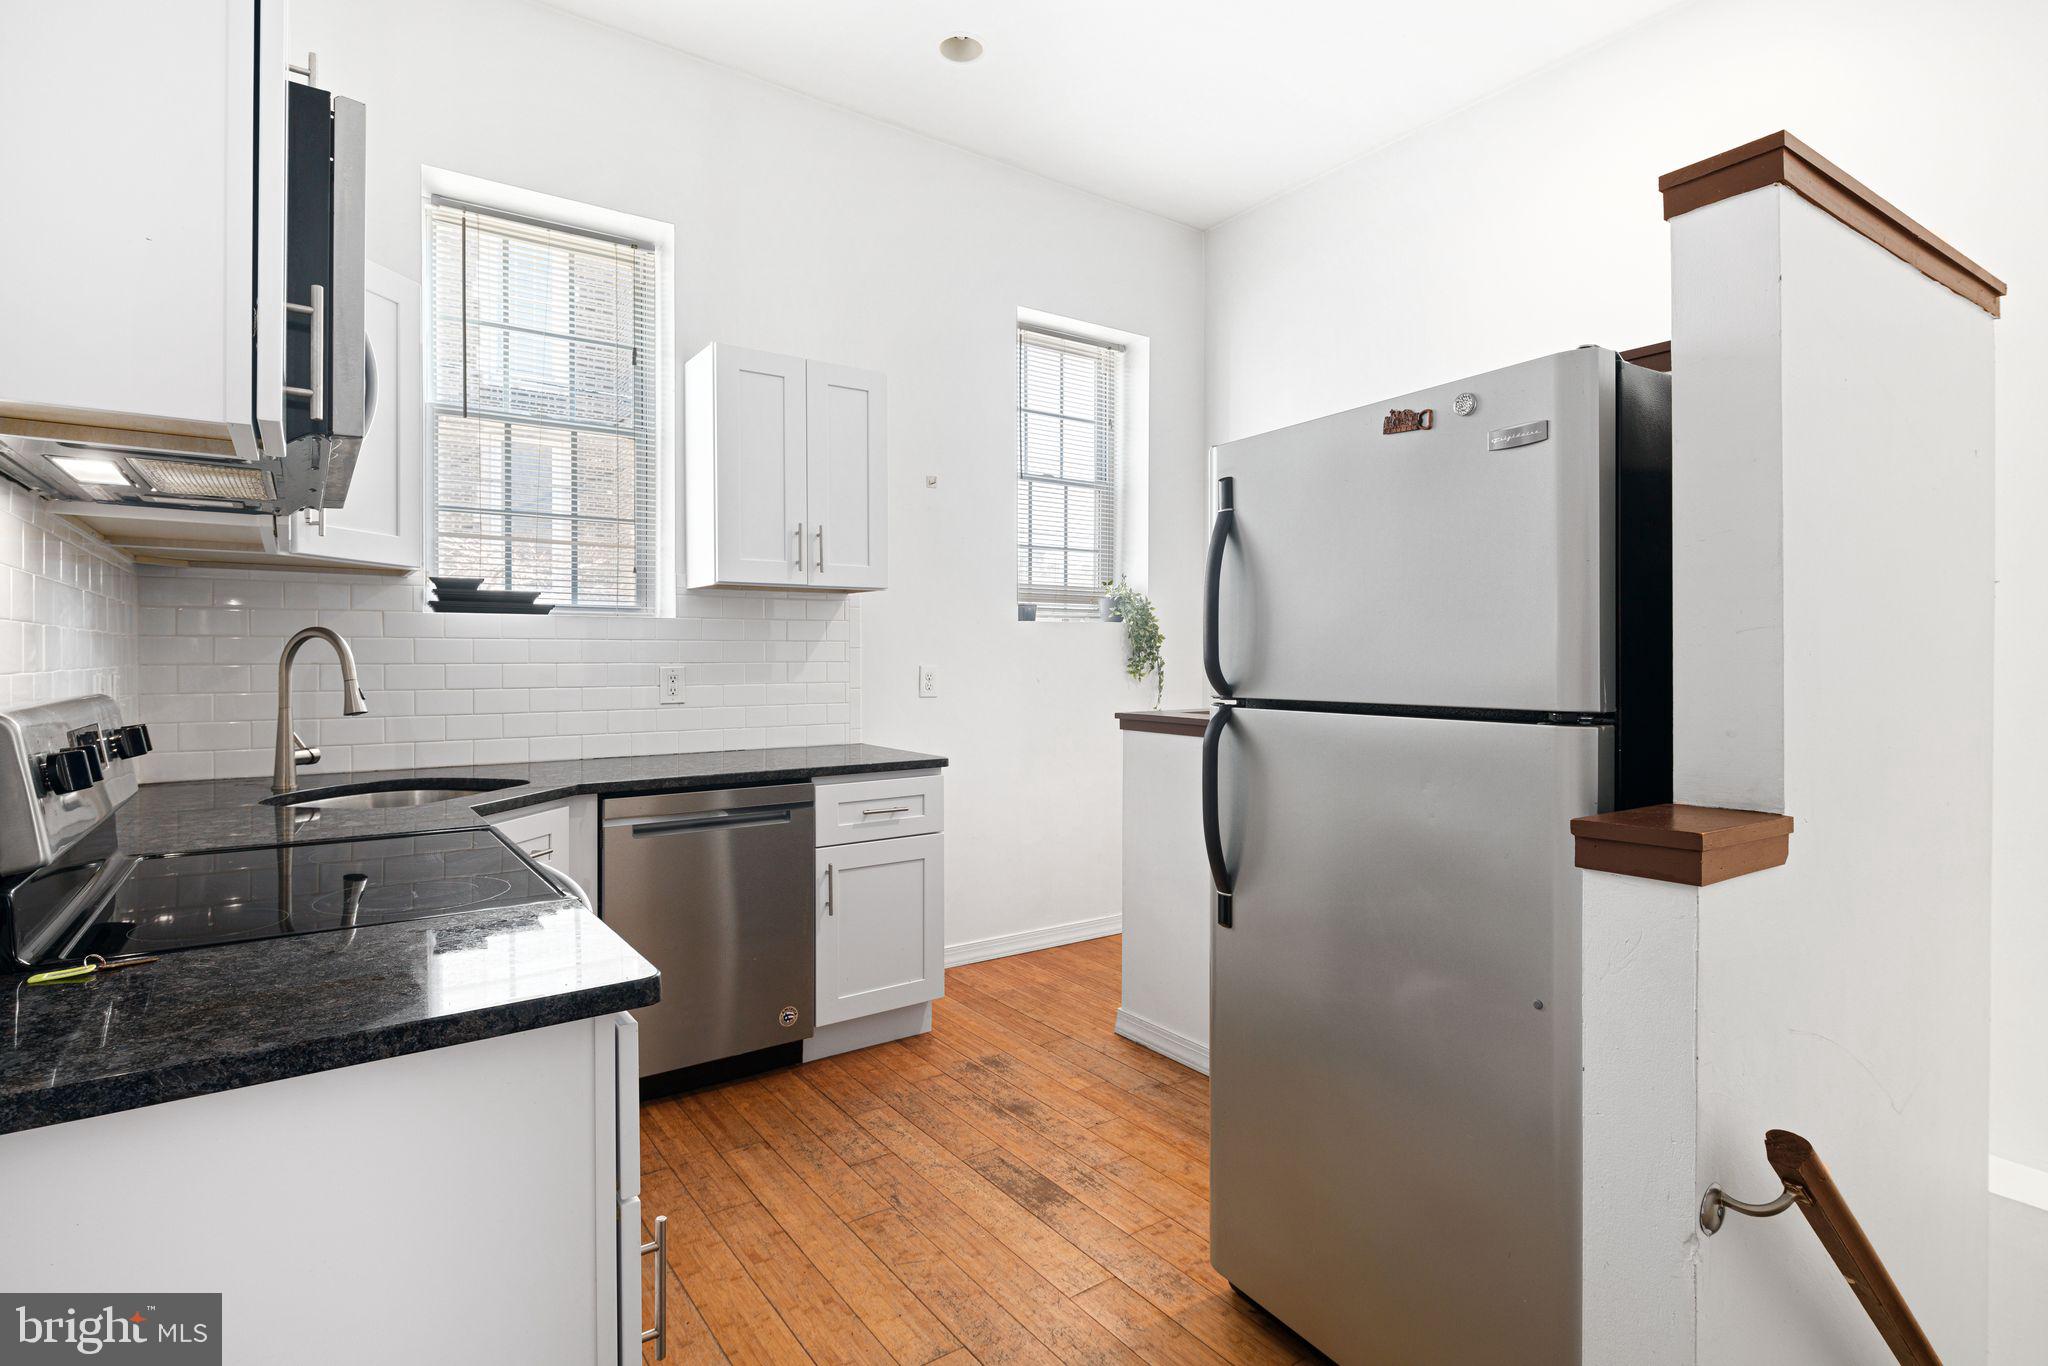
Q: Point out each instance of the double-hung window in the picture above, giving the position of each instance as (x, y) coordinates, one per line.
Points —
(542, 397)
(1068, 438)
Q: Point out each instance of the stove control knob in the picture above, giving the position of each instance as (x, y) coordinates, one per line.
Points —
(67, 770)
(129, 742)
(91, 750)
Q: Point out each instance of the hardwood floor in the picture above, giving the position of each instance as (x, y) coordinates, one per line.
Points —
(1019, 1185)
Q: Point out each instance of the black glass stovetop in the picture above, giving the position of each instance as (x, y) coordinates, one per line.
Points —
(183, 901)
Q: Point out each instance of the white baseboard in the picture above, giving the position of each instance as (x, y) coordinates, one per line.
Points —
(2014, 1181)
(867, 1031)
(1167, 1042)
(1003, 945)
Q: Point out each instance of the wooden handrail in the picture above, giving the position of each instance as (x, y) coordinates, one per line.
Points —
(1813, 1190)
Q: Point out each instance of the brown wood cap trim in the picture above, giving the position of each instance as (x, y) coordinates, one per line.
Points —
(1694, 845)
(1655, 356)
(1165, 722)
(1782, 159)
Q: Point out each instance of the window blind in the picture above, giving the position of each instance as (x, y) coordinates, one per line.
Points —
(542, 398)
(1067, 438)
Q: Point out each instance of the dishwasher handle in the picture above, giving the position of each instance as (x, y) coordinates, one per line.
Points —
(642, 826)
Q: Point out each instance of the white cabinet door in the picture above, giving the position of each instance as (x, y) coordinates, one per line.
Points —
(128, 157)
(881, 926)
(618, 1194)
(379, 524)
(849, 477)
(744, 425)
(562, 835)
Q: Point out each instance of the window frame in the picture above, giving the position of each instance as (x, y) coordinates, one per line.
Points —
(654, 525)
(1111, 433)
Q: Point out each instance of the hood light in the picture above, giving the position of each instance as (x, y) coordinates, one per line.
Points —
(91, 469)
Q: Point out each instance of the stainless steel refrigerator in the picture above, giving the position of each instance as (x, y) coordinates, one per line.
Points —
(1437, 629)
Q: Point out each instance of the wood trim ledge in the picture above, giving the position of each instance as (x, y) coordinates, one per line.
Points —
(1188, 722)
(1655, 356)
(1782, 159)
(1694, 845)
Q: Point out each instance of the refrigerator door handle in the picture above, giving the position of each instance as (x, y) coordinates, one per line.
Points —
(1219, 537)
(1212, 818)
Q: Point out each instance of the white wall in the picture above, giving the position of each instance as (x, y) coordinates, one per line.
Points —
(807, 230)
(1531, 222)
(67, 624)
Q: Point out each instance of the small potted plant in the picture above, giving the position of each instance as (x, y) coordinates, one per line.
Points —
(1143, 639)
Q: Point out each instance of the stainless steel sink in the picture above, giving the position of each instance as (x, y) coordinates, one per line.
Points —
(373, 797)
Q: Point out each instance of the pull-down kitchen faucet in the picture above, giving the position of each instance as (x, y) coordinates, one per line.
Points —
(292, 751)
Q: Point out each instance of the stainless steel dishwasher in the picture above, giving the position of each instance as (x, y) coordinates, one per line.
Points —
(714, 888)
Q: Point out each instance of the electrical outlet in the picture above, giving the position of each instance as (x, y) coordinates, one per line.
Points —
(927, 681)
(671, 685)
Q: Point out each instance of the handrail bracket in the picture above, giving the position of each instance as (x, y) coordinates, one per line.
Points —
(1715, 1204)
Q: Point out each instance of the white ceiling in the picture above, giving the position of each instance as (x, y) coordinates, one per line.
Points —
(1195, 109)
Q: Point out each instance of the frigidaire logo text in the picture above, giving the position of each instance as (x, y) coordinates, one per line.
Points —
(91, 1333)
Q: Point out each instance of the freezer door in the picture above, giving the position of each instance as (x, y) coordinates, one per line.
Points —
(1425, 567)
(1394, 1043)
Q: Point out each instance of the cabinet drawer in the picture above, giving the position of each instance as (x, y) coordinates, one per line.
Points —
(880, 808)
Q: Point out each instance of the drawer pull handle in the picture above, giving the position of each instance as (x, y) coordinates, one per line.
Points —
(658, 1334)
(885, 810)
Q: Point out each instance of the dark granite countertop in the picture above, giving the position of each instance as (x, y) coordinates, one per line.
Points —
(212, 1019)
(207, 1020)
(228, 813)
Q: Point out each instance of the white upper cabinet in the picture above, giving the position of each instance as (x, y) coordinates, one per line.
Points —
(786, 473)
(745, 468)
(849, 477)
(379, 523)
(130, 154)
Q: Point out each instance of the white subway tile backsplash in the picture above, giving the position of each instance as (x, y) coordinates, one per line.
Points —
(502, 751)
(444, 702)
(416, 676)
(69, 607)
(439, 753)
(248, 592)
(473, 727)
(454, 688)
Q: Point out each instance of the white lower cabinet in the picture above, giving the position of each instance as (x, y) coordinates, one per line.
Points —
(472, 1203)
(881, 911)
(882, 930)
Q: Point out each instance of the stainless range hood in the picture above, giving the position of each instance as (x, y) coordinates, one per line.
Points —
(75, 455)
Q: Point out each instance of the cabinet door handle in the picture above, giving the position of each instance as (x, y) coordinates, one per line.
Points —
(798, 558)
(658, 1334)
(821, 547)
(315, 391)
(831, 888)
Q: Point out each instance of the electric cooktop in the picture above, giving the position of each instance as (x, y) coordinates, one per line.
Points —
(99, 901)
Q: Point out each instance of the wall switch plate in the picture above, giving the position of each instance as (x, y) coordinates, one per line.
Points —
(927, 681)
(671, 685)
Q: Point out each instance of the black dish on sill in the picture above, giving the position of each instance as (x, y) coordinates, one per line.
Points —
(524, 609)
(468, 597)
